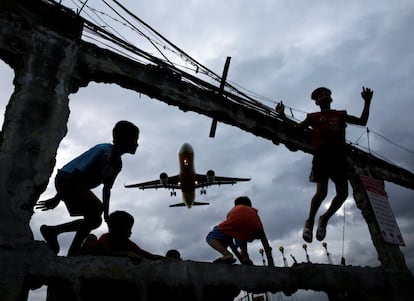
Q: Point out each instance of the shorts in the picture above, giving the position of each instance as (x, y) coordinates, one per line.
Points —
(225, 239)
(327, 165)
(68, 185)
(71, 189)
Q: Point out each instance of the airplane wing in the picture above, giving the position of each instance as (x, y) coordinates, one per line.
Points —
(170, 183)
(204, 180)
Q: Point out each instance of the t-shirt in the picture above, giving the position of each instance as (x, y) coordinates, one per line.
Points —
(109, 245)
(96, 166)
(328, 129)
(243, 223)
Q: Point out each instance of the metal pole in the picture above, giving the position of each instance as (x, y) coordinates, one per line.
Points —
(222, 84)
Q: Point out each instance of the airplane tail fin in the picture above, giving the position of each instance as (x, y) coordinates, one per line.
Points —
(194, 204)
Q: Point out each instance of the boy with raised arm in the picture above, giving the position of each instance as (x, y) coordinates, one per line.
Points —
(329, 159)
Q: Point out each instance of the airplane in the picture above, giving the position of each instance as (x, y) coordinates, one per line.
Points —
(187, 180)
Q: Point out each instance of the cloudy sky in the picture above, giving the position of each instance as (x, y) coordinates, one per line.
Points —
(280, 50)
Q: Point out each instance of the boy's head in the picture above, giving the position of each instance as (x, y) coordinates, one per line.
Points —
(120, 222)
(125, 135)
(318, 92)
(173, 253)
(243, 200)
(322, 97)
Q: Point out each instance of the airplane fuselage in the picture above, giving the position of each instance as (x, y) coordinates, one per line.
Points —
(187, 173)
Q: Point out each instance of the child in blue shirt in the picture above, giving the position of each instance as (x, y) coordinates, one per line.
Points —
(74, 183)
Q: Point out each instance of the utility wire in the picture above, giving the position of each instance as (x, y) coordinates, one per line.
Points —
(188, 57)
(120, 41)
(393, 143)
(134, 27)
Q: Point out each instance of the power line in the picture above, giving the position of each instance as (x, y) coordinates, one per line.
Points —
(116, 38)
(393, 143)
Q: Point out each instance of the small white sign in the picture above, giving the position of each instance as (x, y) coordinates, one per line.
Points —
(382, 209)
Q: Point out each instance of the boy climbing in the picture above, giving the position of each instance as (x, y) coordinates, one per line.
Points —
(243, 224)
(329, 158)
(74, 183)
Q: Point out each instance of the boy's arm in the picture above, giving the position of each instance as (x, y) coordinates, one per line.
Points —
(109, 174)
(280, 109)
(106, 195)
(366, 95)
(267, 248)
(145, 254)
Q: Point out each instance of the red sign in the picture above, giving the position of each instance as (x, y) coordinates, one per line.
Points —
(382, 209)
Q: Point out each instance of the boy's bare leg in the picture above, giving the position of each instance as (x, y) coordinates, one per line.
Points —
(50, 233)
(319, 196)
(82, 232)
(218, 246)
(317, 199)
(85, 227)
(245, 259)
(337, 202)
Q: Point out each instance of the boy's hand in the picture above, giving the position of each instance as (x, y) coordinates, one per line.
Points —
(270, 261)
(269, 256)
(280, 108)
(366, 94)
(47, 204)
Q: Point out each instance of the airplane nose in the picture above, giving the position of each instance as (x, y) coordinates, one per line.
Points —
(186, 148)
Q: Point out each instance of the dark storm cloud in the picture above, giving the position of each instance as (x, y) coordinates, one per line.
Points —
(281, 50)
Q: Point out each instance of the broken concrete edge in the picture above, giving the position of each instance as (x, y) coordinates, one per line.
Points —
(42, 267)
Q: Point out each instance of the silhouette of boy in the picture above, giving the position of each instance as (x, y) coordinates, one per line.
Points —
(243, 224)
(173, 254)
(117, 243)
(74, 183)
(329, 159)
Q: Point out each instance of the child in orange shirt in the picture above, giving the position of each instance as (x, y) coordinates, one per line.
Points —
(243, 224)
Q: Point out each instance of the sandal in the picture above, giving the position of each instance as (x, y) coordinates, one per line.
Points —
(321, 231)
(229, 260)
(247, 262)
(307, 232)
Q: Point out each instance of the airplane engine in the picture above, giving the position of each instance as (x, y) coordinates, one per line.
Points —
(210, 176)
(164, 179)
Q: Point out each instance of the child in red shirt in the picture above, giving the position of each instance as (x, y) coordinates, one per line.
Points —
(329, 159)
(243, 224)
(117, 243)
